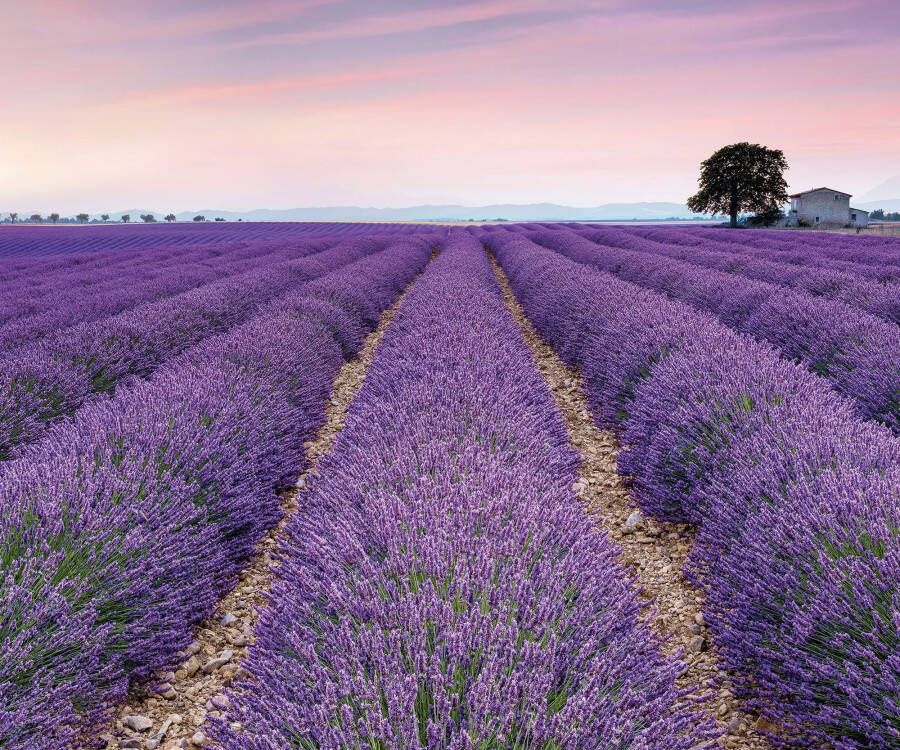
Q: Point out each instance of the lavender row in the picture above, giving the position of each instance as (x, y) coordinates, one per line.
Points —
(872, 257)
(122, 529)
(877, 250)
(858, 354)
(53, 377)
(21, 245)
(140, 243)
(68, 306)
(34, 270)
(440, 585)
(25, 294)
(796, 498)
(784, 248)
(88, 267)
(881, 299)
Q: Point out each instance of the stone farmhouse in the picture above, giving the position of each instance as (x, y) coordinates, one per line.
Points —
(824, 207)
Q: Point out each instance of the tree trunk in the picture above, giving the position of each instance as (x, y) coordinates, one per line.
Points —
(733, 207)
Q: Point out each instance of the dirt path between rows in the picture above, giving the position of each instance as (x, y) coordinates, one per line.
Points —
(655, 552)
(171, 712)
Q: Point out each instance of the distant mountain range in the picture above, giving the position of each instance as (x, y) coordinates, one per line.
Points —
(508, 211)
(645, 211)
(889, 204)
(886, 191)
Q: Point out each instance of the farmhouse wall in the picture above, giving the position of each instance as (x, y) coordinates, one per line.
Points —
(858, 217)
(831, 208)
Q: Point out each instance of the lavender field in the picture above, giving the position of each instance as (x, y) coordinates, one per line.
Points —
(500, 487)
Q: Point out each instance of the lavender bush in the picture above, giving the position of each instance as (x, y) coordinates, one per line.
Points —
(53, 378)
(441, 586)
(881, 299)
(858, 353)
(837, 251)
(122, 528)
(854, 255)
(67, 299)
(797, 499)
(23, 248)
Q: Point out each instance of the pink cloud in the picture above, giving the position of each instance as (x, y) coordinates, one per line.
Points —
(619, 105)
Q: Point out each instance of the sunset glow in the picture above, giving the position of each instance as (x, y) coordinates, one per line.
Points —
(179, 105)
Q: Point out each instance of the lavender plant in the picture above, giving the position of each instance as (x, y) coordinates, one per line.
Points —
(868, 295)
(67, 299)
(858, 353)
(52, 378)
(441, 587)
(796, 498)
(122, 528)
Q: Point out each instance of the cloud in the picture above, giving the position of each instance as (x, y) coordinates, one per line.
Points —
(283, 103)
(419, 20)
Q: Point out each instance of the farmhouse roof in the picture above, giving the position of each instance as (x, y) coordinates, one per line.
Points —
(859, 210)
(815, 190)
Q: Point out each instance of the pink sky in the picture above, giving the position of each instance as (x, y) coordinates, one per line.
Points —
(176, 104)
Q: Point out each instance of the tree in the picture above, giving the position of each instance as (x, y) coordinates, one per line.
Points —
(743, 177)
(170, 217)
(13, 217)
(104, 218)
(148, 218)
(877, 214)
(219, 218)
(200, 218)
(126, 218)
(35, 218)
(54, 218)
(83, 218)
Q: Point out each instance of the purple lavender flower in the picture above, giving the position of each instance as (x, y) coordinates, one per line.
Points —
(441, 586)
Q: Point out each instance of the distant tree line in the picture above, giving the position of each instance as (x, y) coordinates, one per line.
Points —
(83, 218)
(879, 214)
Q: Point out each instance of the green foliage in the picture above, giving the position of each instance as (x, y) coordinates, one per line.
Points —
(741, 178)
(766, 218)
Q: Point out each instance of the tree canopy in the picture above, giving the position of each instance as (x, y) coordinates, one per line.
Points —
(741, 178)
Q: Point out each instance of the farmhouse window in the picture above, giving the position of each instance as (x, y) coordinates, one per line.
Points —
(817, 220)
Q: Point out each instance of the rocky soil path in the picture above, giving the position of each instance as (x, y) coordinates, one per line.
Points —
(170, 712)
(655, 552)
